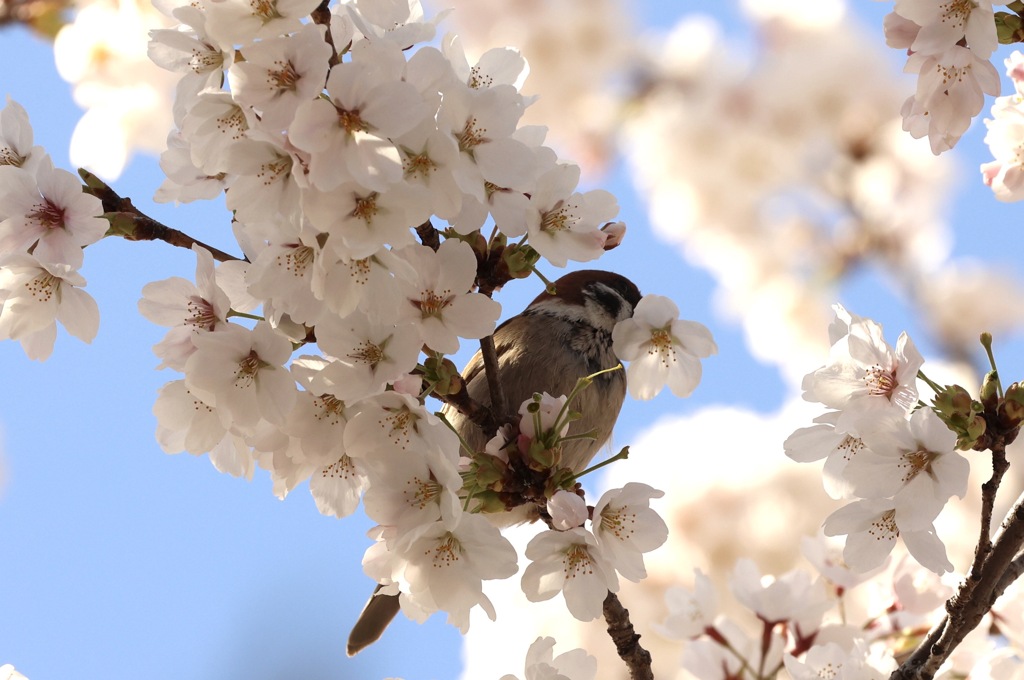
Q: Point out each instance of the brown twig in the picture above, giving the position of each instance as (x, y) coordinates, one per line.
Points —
(460, 400)
(322, 17)
(429, 235)
(627, 641)
(132, 224)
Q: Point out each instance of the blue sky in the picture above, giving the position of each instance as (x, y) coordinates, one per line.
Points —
(123, 562)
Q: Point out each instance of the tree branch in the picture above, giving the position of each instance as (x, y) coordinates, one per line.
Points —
(627, 641)
(132, 224)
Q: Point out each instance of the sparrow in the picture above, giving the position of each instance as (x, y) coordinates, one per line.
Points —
(560, 337)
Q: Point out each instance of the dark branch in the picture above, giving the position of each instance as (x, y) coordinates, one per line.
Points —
(429, 235)
(627, 642)
(132, 224)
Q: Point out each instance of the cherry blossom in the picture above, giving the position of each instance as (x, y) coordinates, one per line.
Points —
(565, 225)
(348, 134)
(570, 562)
(690, 611)
(568, 510)
(185, 423)
(661, 348)
(864, 374)
(16, 148)
(241, 373)
(441, 565)
(871, 527)
(49, 214)
(35, 295)
(438, 300)
(626, 527)
(542, 664)
(186, 308)
(280, 73)
(914, 463)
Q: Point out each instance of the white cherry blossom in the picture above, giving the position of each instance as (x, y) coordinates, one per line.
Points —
(439, 301)
(871, 528)
(570, 562)
(280, 73)
(48, 213)
(793, 597)
(823, 440)
(542, 664)
(690, 611)
(626, 527)
(914, 462)
(951, 90)
(661, 348)
(564, 224)
(185, 423)
(35, 295)
(348, 135)
(442, 566)
(864, 374)
(338, 486)
(187, 308)
(568, 510)
(241, 373)
(944, 24)
(367, 355)
(540, 414)
(16, 147)
(231, 22)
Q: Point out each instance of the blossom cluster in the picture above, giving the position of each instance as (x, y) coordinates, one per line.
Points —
(1005, 137)
(949, 44)
(45, 223)
(336, 142)
(896, 460)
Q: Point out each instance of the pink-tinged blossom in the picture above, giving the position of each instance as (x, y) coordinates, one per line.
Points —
(398, 420)
(568, 510)
(951, 90)
(540, 413)
(864, 374)
(186, 308)
(482, 122)
(265, 186)
(661, 348)
(366, 355)
(232, 22)
(280, 73)
(184, 182)
(438, 301)
(348, 134)
(1005, 138)
(411, 488)
(572, 563)
(564, 224)
(542, 664)
(944, 24)
(792, 598)
(241, 373)
(690, 611)
(211, 127)
(829, 660)
(359, 221)
(914, 462)
(626, 527)
(185, 423)
(282, 274)
(49, 214)
(35, 295)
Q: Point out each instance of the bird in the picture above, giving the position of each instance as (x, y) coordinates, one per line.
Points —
(563, 335)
